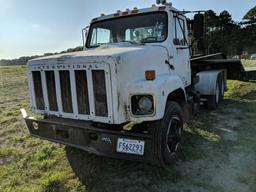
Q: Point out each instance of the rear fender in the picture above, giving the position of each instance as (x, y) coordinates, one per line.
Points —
(207, 81)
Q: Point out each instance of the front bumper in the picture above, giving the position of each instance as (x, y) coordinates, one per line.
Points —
(85, 136)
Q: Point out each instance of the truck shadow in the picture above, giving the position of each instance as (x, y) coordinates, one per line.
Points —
(99, 173)
(107, 174)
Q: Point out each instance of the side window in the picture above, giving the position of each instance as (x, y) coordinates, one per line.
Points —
(100, 36)
(128, 34)
(179, 38)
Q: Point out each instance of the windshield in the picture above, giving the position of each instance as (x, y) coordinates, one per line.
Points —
(143, 28)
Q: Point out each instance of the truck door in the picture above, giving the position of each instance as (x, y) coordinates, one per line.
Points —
(181, 50)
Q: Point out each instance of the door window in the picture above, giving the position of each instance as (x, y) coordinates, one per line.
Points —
(179, 38)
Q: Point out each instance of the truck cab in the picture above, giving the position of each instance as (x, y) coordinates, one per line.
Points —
(126, 94)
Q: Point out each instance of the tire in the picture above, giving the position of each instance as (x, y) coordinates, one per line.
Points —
(222, 88)
(212, 101)
(171, 127)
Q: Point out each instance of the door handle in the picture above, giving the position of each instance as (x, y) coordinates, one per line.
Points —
(170, 65)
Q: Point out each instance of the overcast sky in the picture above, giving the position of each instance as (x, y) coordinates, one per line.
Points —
(29, 27)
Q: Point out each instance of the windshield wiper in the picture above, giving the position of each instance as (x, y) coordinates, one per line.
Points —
(148, 40)
(132, 42)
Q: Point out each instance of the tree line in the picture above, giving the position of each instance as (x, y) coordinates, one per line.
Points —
(24, 60)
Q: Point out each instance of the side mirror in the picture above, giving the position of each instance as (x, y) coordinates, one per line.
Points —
(198, 26)
(84, 35)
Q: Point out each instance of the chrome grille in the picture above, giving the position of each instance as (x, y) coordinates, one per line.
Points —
(51, 90)
(78, 92)
(82, 92)
(65, 89)
(100, 93)
(38, 90)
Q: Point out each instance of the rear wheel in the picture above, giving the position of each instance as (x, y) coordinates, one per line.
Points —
(222, 88)
(212, 101)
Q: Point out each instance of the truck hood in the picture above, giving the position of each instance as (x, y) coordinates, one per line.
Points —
(110, 50)
(104, 50)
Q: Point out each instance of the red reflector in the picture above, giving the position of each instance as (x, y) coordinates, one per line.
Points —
(134, 11)
(125, 13)
(118, 13)
(150, 75)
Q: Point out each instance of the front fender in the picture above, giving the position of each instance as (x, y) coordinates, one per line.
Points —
(160, 89)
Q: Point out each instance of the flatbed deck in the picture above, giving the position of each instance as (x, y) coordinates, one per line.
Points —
(234, 67)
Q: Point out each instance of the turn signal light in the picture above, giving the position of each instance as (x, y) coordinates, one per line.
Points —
(125, 13)
(150, 75)
(118, 12)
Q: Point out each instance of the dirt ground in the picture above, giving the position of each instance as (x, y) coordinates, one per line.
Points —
(219, 151)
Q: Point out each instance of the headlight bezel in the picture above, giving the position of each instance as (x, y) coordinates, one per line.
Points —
(134, 105)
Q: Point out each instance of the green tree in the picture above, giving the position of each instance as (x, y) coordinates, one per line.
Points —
(249, 30)
(221, 33)
(251, 15)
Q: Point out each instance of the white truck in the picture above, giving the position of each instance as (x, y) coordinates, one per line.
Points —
(128, 93)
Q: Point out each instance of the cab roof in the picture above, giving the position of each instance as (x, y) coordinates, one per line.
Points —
(134, 11)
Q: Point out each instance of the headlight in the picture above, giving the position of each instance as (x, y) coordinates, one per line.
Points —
(142, 104)
(145, 104)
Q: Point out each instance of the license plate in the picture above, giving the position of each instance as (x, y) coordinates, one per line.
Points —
(130, 146)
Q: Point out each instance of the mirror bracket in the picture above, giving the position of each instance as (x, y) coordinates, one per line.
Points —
(84, 36)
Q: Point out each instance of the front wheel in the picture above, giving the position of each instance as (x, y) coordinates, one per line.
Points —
(171, 127)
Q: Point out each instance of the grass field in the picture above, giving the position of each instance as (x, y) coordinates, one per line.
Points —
(249, 63)
(219, 153)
